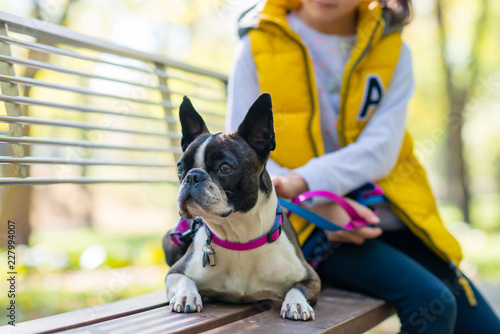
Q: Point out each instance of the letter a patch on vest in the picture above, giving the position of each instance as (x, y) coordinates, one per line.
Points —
(372, 96)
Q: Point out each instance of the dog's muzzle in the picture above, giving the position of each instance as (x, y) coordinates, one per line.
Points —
(194, 176)
(191, 185)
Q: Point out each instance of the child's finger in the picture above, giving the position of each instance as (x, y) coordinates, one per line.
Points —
(278, 185)
(276, 180)
(345, 236)
(368, 232)
(365, 212)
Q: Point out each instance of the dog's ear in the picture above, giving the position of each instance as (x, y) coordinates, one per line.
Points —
(191, 122)
(258, 126)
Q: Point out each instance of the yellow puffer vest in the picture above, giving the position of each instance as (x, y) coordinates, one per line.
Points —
(285, 71)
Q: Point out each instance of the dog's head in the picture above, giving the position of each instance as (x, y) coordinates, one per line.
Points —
(223, 173)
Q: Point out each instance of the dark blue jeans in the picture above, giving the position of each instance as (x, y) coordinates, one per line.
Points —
(399, 268)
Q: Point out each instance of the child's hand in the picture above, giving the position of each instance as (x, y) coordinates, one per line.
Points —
(289, 186)
(357, 236)
(292, 185)
(334, 213)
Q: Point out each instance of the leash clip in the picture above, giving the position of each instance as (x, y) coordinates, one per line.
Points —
(277, 225)
(181, 238)
(208, 250)
(188, 235)
(270, 234)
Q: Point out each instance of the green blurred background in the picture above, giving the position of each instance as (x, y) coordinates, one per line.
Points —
(105, 243)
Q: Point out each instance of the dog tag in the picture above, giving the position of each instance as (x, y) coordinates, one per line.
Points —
(208, 256)
(211, 257)
(205, 259)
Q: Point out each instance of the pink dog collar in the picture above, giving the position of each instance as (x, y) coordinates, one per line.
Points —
(270, 237)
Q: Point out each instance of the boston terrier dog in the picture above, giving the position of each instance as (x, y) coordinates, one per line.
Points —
(246, 250)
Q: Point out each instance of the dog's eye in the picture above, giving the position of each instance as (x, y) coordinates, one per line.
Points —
(180, 169)
(225, 169)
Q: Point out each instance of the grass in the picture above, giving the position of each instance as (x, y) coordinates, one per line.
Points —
(52, 277)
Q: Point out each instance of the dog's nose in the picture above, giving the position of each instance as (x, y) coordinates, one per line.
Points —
(194, 177)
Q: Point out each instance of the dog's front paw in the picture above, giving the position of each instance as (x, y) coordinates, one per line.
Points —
(186, 302)
(296, 307)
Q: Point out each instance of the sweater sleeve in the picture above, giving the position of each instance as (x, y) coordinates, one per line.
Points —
(243, 86)
(243, 90)
(375, 152)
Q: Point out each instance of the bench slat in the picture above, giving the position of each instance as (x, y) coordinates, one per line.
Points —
(161, 320)
(81, 162)
(24, 81)
(40, 65)
(28, 101)
(34, 181)
(337, 311)
(85, 143)
(90, 315)
(81, 125)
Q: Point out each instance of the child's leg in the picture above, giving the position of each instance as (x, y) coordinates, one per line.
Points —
(423, 302)
(478, 319)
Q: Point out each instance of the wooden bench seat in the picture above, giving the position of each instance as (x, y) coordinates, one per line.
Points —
(337, 311)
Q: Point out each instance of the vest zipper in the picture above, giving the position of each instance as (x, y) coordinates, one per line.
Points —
(464, 283)
(469, 293)
(340, 131)
(311, 93)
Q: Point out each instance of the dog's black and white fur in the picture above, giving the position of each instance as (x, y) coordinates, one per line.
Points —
(224, 180)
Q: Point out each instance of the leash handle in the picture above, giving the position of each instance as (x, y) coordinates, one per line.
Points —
(356, 220)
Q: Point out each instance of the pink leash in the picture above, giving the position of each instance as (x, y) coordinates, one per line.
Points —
(356, 220)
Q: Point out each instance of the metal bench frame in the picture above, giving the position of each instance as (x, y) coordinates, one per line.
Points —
(56, 40)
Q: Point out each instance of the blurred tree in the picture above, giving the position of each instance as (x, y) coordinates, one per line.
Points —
(462, 77)
(16, 201)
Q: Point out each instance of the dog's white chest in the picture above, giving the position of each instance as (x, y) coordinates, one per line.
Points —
(267, 272)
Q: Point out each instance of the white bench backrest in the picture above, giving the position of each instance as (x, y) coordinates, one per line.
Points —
(96, 112)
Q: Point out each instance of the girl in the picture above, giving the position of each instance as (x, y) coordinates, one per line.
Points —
(340, 79)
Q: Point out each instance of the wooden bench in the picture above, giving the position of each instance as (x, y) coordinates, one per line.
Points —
(336, 312)
(106, 129)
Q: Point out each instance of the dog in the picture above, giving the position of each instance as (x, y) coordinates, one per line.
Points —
(223, 180)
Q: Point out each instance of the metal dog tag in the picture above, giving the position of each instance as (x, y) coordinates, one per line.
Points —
(211, 257)
(208, 256)
(205, 259)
